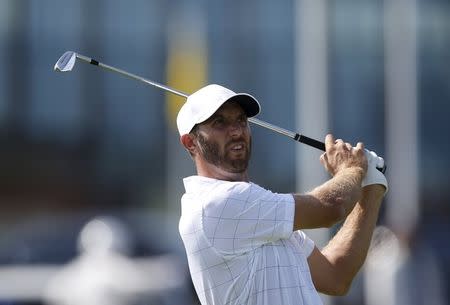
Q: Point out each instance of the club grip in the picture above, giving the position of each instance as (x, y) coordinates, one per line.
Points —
(320, 145)
(310, 142)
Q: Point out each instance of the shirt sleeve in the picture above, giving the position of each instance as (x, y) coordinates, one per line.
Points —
(305, 243)
(246, 216)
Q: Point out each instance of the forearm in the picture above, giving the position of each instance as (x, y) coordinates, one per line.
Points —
(347, 250)
(344, 189)
(329, 203)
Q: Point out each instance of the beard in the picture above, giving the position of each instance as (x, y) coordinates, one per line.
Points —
(211, 152)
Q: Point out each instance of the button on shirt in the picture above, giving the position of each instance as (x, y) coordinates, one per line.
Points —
(241, 247)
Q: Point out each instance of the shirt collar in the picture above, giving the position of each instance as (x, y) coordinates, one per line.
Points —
(196, 184)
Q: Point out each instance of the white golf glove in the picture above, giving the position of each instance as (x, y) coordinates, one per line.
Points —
(373, 175)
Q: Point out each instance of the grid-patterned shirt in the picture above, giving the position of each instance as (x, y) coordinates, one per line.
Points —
(241, 247)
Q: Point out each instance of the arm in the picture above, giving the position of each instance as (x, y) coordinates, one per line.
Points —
(333, 269)
(330, 202)
(333, 200)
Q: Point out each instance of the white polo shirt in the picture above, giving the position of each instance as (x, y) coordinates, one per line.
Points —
(241, 247)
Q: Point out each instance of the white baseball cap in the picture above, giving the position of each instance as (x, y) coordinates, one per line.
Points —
(202, 104)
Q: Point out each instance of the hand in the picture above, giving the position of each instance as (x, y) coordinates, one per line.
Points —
(340, 155)
(373, 175)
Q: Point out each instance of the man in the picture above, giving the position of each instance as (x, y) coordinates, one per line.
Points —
(244, 243)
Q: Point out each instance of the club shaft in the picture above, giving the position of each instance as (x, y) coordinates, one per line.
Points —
(130, 75)
(293, 135)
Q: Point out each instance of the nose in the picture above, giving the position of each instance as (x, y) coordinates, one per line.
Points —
(236, 129)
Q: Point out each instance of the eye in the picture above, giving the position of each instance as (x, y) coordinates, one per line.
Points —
(243, 120)
(218, 121)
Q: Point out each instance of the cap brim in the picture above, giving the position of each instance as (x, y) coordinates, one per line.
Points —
(247, 102)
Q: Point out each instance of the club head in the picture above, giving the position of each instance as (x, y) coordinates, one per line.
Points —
(66, 62)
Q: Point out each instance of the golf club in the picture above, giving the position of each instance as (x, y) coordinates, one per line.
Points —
(67, 61)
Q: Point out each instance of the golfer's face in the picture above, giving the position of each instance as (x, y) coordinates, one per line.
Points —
(224, 139)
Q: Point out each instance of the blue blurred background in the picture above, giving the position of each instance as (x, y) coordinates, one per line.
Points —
(90, 160)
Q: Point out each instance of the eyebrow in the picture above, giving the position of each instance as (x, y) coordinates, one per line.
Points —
(220, 115)
(214, 116)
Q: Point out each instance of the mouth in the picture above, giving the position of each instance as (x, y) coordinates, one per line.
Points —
(237, 147)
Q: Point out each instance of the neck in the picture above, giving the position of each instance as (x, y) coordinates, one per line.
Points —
(215, 172)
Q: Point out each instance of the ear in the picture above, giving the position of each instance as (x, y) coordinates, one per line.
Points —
(187, 140)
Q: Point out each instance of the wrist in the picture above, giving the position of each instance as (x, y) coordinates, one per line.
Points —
(375, 190)
(356, 171)
(375, 181)
(372, 196)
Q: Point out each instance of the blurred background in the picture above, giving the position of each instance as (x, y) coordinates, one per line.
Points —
(90, 164)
